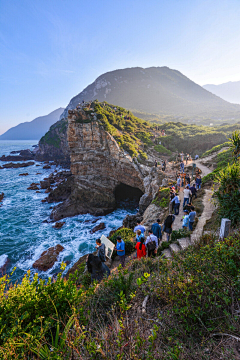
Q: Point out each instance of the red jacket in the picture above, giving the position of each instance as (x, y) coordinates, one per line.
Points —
(140, 253)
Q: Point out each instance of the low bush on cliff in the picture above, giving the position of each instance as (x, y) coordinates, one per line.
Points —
(162, 197)
(162, 150)
(191, 298)
(127, 235)
(216, 148)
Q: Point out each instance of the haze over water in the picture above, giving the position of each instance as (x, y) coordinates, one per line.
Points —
(24, 236)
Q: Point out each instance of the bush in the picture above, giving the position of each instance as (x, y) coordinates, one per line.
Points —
(162, 150)
(162, 197)
(228, 193)
(127, 235)
(179, 234)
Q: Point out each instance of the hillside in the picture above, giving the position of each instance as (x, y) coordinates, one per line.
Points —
(32, 130)
(229, 91)
(155, 90)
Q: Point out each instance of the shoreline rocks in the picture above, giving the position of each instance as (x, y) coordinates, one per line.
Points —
(16, 165)
(48, 258)
(98, 227)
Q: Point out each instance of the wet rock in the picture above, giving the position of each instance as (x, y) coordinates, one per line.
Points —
(44, 200)
(17, 165)
(61, 192)
(46, 167)
(24, 174)
(130, 221)
(33, 186)
(99, 227)
(48, 258)
(38, 165)
(38, 192)
(4, 265)
(38, 173)
(24, 155)
(45, 184)
(1, 197)
(59, 224)
(47, 190)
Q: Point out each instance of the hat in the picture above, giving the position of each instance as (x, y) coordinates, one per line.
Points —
(185, 211)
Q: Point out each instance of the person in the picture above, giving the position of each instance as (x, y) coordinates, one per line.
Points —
(151, 243)
(172, 196)
(192, 216)
(139, 227)
(164, 165)
(157, 230)
(196, 157)
(185, 220)
(176, 201)
(121, 250)
(193, 191)
(187, 178)
(167, 226)
(198, 182)
(141, 249)
(186, 194)
(155, 164)
(182, 156)
(139, 236)
(96, 268)
(101, 250)
(188, 207)
(179, 182)
(187, 158)
(182, 166)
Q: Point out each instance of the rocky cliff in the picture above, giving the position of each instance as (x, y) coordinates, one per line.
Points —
(102, 172)
(53, 146)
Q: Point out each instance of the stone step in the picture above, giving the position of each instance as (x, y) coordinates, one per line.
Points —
(184, 243)
(174, 248)
(167, 254)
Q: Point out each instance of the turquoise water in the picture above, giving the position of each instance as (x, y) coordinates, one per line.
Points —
(24, 236)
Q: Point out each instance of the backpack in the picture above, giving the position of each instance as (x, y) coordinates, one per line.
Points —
(151, 245)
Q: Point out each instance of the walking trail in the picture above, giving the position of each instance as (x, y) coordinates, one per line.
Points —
(206, 214)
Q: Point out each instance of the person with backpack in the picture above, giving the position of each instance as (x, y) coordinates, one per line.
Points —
(141, 249)
(186, 194)
(157, 230)
(152, 244)
(167, 226)
(96, 268)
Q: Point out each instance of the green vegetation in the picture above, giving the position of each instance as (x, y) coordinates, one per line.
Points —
(220, 161)
(127, 235)
(162, 150)
(228, 193)
(162, 197)
(235, 145)
(53, 136)
(216, 148)
(191, 297)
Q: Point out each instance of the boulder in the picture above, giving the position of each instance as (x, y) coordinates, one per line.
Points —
(1, 197)
(24, 174)
(17, 165)
(33, 186)
(151, 214)
(48, 258)
(130, 221)
(99, 227)
(46, 167)
(59, 224)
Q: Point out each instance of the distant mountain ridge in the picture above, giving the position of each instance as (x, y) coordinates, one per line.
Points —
(32, 130)
(158, 90)
(229, 91)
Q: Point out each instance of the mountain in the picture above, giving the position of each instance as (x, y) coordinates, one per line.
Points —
(32, 130)
(229, 91)
(155, 90)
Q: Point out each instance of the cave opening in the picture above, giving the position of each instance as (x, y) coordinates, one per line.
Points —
(127, 196)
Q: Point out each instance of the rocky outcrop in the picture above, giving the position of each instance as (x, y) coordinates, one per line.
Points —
(23, 155)
(98, 227)
(16, 165)
(48, 258)
(53, 146)
(102, 172)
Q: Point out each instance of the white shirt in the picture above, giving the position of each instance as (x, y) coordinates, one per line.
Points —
(152, 238)
(186, 193)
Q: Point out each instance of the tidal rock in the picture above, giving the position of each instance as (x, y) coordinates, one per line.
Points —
(38, 192)
(45, 184)
(44, 200)
(48, 258)
(17, 165)
(61, 192)
(24, 155)
(4, 263)
(24, 174)
(1, 197)
(59, 224)
(33, 186)
(46, 167)
(99, 227)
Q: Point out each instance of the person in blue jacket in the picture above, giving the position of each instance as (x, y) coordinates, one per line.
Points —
(120, 247)
(157, 230)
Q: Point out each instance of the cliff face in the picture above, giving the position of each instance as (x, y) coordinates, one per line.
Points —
(53, 146)
(102, 172)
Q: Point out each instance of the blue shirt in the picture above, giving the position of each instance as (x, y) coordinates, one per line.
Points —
(157, 230)
(185, 220)
(192, 216)
(139, 227)
(120, 246)
(176, 200)
(139, 237)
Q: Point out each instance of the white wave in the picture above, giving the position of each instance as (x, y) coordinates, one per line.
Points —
(3, 260)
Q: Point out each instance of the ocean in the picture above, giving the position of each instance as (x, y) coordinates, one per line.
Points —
(24, 236)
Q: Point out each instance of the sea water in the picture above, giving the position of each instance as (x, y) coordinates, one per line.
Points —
(24, 235)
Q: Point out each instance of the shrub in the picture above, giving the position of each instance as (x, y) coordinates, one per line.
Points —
(228, 193)
(162, 150)
(179, 234)
(162, 197)
(127, 235)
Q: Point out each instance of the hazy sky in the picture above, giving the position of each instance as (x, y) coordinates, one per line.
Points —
(51, 49)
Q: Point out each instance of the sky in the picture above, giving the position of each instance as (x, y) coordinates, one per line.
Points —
(50, 50)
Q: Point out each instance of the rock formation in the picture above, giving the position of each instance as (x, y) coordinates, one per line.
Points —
(102, 172)
(48, 258)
